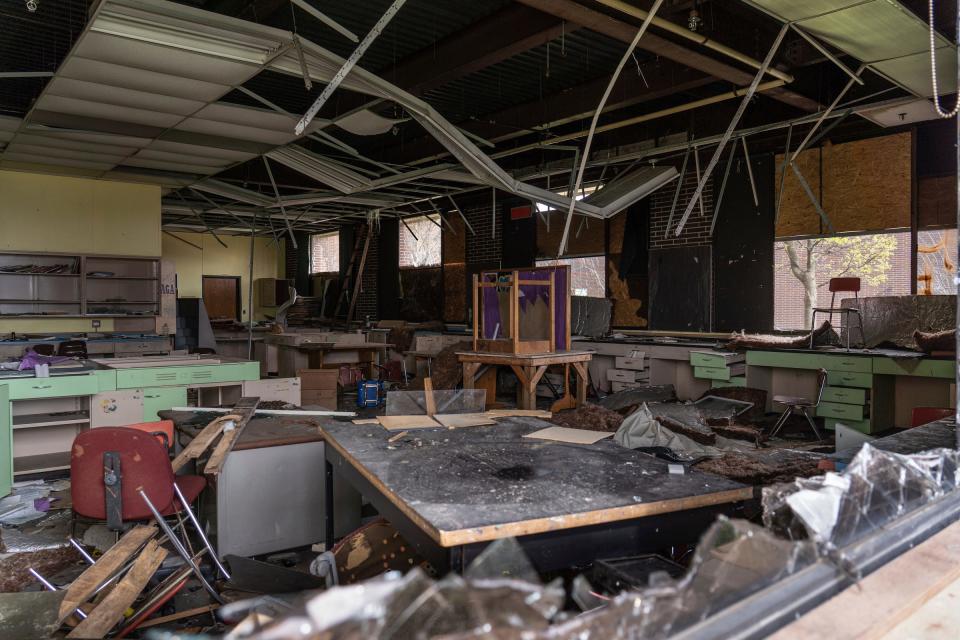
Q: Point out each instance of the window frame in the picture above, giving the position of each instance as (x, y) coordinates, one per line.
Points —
(401, 228)
(543, 262)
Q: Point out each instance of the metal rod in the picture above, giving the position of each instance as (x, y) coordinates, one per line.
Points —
(463, 217)
(304, 71)
(596, 117)
(753, 183)
(493, 214)
(327, 20)
(676, 192)
(179, 547)
(253, 228)
(806, 188)
(52, 587)
(276, 191)
(733, 125)
(348, 65)
(199, 217)
(723, 187)
(823, 116)
(408, 228)
(182, 240)
(203, 536)
(832, 58)
(783, 175)
(696, 165)
(82, 551)
(26, 74)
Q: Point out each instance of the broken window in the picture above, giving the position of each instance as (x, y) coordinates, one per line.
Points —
(420, 241)
(325, 252)
(936, 262)
(803, 268)
(587, 275)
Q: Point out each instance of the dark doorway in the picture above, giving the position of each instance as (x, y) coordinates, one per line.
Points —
(221, 297)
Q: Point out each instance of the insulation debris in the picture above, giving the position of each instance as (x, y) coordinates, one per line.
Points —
(626, 402)
(938, 341)
(739, 341)
(591, 417)
(684, 419)
(735, 431)
(47, 562)
(763, 467)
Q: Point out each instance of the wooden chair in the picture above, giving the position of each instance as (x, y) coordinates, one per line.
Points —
(840, 285)
(803, 405)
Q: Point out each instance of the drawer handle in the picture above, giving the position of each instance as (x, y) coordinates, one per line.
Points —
(43, 386)
(151, 396)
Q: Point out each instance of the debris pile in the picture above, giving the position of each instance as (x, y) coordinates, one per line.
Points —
(591, 417)
(446, 370)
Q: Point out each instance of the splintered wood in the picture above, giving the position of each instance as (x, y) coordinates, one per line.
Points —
(245, 408)
(106, 614)
(83, 588)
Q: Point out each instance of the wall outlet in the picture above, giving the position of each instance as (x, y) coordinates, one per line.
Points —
(95, 323)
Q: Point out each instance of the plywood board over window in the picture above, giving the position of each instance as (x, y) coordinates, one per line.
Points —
(865, 187)
(586, 236)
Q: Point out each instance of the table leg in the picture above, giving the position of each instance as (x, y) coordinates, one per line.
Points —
(469, 374)
(583, 379)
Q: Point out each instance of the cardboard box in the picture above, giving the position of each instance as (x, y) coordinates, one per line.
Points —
(622, 375)
(630, 362)
(324, 399)
(318, 379)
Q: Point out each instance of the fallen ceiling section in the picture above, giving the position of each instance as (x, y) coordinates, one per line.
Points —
(883, 34)
(139, 97)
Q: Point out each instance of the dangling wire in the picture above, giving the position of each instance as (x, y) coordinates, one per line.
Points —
(933, 66)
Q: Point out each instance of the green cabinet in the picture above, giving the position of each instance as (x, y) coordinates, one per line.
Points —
(924, 367)
(189, 375)
(6, 441)
(161, 398)
(712, 373)
(54, 387)
(845, 395)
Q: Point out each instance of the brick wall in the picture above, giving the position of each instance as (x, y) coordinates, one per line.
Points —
(367, 299)
(485, 245)
(696, 232)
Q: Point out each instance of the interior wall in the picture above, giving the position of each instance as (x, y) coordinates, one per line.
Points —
(48, 213)
(215, 260)
(454, 269)
(862, 185)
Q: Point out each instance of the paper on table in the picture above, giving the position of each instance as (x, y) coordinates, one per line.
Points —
(565, 434)
(398, 423)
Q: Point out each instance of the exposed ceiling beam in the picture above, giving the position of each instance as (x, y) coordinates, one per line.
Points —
(624, 32)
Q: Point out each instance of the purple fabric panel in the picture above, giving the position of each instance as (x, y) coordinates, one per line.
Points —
(31, 359)
(561, 286)
(491, 311)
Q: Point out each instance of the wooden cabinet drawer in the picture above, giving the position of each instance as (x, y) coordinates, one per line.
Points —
(845, 395)
(845, 363)
(847, 379)
(712, 373)
(56, 387)
(840, 410)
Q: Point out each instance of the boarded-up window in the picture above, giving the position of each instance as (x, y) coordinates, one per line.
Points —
(420, 241)
(325, 252)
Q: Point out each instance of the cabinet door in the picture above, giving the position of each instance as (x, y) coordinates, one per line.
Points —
(116, 408)
(160, 398)
(6, 443)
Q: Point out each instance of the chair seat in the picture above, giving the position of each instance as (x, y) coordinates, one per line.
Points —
(794, 401)
(190, 486)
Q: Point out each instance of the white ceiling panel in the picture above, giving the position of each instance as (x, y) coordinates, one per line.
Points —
(198, 150)
(111, 112)
(119, 75)
(95, 92)
(55, 154)
(56, 162)
(76, 145)
(155, 57)
(913, 72)
(170, 166)
(230, 130)
(92, 137)
(167, 156)
(249, 116)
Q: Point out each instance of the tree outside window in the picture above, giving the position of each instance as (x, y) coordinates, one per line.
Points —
(420, 241)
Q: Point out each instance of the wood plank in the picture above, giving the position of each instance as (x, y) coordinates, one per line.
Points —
(428, 396)
(245, 408)
(887, 596)
(106, 614)
(399, 423)
(459, 420)
(82, 589)
(201, 442)
(179, 615)
(519, 413)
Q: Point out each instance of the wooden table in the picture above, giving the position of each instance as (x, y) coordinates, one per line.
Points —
(452, 492)
(367, 353)
(529, 368)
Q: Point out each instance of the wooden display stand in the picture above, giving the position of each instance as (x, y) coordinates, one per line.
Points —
(527, 342)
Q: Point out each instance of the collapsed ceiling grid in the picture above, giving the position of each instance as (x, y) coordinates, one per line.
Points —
(156, 91)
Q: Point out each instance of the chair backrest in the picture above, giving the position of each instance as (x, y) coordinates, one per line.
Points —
(923, 415)
(144, 463)
(837, 285)
(163, 426)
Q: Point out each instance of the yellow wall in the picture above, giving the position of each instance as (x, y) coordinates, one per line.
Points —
(214, 260)
(75, 215)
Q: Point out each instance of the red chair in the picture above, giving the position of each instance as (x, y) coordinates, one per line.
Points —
(162, 429)
(144, 463)
(835, 286)
(923, 415)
